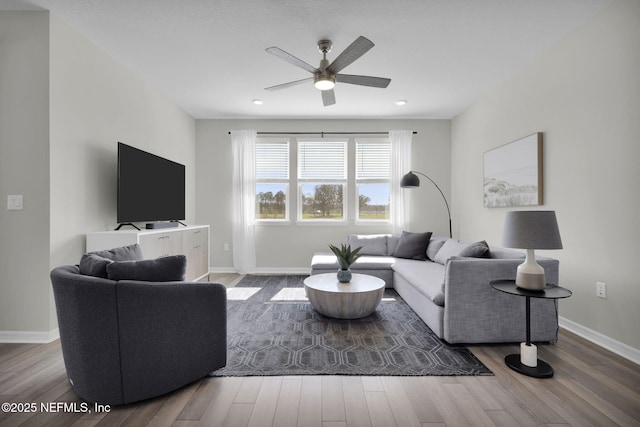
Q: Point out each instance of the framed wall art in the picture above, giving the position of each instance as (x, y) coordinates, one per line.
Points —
(513, 173)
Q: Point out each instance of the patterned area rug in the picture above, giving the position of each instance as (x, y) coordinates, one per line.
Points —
(273, 330)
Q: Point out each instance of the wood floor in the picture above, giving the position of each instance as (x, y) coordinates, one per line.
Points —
(591, 387)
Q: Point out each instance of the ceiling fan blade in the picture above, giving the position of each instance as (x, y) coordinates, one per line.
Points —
(380, 82)
(328, 97)
(289, 84)
(354, 51)
(276, 51)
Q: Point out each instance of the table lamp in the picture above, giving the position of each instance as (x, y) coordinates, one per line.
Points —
(531, 230)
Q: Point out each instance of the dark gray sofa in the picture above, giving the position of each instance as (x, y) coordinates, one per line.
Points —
(125, 341)
(452, 293)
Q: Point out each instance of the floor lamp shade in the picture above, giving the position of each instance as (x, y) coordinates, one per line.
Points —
(410, 180)
(531, 230)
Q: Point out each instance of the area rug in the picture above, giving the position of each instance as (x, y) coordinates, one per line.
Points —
(272, 329)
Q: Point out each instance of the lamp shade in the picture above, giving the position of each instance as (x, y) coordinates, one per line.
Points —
(531, 230)
(410, 180)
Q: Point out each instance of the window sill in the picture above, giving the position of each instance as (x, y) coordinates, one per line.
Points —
(322, 223)
(277, 223)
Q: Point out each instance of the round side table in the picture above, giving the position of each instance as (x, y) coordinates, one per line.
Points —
(542, 368)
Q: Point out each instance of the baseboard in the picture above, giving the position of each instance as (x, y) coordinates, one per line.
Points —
(279, 270)
(222, 270)
(29, 337)
(617, 347)
(264, 270)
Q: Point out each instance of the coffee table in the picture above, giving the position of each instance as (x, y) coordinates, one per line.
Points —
(353, 300)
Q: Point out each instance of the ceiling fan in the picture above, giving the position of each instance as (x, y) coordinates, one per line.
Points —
(327, 75)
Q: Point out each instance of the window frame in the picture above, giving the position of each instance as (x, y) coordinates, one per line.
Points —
(377, 180)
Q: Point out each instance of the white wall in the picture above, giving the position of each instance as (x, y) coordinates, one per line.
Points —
(24, 169)
(65, 105)
(282, 248)
(96, 102)
(584, 94)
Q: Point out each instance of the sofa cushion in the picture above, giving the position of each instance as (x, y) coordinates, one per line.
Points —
(324, 261)
(435, 243)
(392, 243)
(427, 277)
(373, 263)
(123, 253)
(413, 245)
(329, 262)
(164, 269)
(371, 244)
(94, 265)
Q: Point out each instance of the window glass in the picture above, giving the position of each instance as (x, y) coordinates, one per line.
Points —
(271, 201)
(322, 201)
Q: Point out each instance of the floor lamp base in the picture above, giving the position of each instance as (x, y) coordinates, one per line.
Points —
(543, 370)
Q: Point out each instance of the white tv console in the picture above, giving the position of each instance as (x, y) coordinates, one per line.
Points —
(191, 241)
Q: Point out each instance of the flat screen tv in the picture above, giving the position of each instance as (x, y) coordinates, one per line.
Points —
(150, 188)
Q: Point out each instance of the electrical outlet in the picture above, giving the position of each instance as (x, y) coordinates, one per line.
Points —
(601, 290)
(226, 247)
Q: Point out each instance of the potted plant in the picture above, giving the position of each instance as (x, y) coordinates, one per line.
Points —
(346, 257)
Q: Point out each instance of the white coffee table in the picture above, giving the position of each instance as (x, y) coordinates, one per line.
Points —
(353, 300)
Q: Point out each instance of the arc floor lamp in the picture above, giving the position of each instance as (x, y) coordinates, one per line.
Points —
(411, 180)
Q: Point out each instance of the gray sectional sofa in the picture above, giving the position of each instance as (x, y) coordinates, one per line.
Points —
(446, 282)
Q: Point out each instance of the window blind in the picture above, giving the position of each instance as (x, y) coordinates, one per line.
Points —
(272, 160)
(325, 160)
(373, 160)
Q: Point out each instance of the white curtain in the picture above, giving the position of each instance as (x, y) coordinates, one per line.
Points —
(244, 188)
(400, 165)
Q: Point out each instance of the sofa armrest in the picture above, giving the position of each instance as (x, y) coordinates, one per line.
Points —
(87, 320)
(171, 333)
(475, 312)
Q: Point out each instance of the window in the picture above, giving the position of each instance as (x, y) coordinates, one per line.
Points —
(373, 164)
(322, 178)
(335, 180)
(272, 180)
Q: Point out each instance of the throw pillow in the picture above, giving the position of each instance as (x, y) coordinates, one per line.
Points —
(450, 248)
(124, 253)
(476, 250)
(164, 269)
(94, 265)
(435, 243)
(413, 246)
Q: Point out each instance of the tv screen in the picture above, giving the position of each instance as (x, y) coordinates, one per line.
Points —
(150, 188)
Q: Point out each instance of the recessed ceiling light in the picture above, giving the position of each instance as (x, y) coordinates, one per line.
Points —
(401, 102)
(257, 102)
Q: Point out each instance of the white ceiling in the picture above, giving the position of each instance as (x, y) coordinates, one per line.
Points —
(208, 55)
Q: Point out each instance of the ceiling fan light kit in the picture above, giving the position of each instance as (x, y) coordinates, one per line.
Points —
(324, 82)
(327, 74)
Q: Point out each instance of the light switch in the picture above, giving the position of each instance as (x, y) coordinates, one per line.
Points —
(14, 202)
